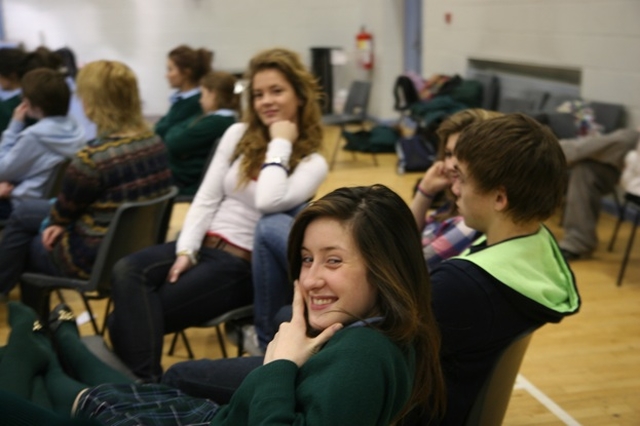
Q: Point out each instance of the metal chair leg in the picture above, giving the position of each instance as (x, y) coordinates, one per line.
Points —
(94, 324)
(621, 211)
(185, 340)
(223, 347)
(623, 267)
(335, 149)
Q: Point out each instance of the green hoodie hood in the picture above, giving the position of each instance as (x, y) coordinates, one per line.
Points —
(531, 265)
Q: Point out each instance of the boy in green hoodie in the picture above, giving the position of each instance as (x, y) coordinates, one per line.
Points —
(510, 176)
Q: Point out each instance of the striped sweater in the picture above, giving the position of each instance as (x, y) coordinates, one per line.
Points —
(101, 176)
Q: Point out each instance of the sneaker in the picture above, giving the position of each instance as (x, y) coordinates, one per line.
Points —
(250, 340)
(569, 256)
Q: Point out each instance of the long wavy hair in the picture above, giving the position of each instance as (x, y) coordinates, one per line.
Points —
(385, 234)
(109, 93)
(253, 145)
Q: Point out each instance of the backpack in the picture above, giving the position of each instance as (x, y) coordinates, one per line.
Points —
(415, 154)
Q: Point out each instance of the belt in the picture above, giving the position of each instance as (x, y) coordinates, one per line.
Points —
(213, 241)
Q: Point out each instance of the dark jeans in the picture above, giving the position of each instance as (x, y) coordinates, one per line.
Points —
(216, 379)
(146, 306)
(5, 208)
(21, 247)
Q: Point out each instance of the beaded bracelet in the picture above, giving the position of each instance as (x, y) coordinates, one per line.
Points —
(424, 193)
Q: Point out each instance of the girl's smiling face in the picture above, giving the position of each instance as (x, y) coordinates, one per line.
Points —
(274, 98)
(333, 276)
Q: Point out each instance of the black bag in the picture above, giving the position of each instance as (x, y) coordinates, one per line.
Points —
(378, 139)
(415, 154)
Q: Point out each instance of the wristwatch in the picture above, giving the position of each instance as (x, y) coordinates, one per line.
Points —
(190, 254)
(276, 161)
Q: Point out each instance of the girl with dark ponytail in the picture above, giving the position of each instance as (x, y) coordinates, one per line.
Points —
(185, 67)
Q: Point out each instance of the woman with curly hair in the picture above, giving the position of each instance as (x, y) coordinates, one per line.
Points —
(269, 163)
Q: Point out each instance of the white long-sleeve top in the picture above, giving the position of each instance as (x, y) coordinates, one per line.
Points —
(222, 208)
(630, 179)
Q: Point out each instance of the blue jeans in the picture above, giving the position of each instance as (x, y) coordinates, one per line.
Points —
(271, 286)
(146, 306)
(20, 238)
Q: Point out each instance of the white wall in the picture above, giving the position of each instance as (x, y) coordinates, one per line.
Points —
(141, 32)
(600, 37)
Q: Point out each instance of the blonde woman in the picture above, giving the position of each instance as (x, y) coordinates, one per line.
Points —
(126, 162)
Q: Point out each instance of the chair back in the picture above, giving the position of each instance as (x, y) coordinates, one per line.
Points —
(136, 225)
(492, 401)
(358, 99)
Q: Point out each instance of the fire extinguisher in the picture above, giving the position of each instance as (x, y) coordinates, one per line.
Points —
(364, 47)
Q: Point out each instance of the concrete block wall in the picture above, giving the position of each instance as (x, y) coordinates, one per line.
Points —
(141, 32)
(600, 37)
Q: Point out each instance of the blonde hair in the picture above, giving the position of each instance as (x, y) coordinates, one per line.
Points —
(109, 93)
(253, 145)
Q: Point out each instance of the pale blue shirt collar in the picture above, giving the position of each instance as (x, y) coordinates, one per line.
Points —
(366, 322)
(183, 95)
(8, 94)
(223, 112)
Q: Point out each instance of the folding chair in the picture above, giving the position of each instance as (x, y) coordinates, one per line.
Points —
(136, 225)
(355, 112)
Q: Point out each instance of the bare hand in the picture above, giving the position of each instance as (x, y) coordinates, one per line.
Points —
(291, 341)
(285, 130)
(5, 189)
(436, 179)
(181, 265)
(51, 235)
(20, 112)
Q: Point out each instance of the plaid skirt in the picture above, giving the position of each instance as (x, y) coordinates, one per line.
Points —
(147, 405)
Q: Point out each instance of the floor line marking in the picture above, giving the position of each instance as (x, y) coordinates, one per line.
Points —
(523, 383)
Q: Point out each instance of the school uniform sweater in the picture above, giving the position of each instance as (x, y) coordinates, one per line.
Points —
(359, 377)
(182, 108)
(6, 110)
(189, 144)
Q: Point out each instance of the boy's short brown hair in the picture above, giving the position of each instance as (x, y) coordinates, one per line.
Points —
(522, 156)
(47, 90)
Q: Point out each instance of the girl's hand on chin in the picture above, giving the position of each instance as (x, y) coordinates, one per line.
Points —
(285, 130)
(291, 341)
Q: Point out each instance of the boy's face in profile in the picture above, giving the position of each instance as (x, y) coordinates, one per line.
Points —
(475, 206)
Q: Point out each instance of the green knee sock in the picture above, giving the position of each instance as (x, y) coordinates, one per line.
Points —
(87, 367)
(61, 388)
(39, 394)
(23, 356)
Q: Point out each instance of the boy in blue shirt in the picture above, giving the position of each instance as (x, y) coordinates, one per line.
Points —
(28, 155)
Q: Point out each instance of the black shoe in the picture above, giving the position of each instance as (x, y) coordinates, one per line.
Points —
(61, 314)
(569, 255)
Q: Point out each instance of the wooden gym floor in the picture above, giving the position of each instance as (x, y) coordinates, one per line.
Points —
(585, 370)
